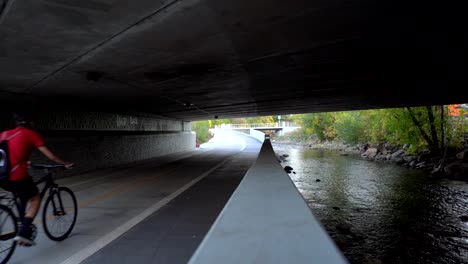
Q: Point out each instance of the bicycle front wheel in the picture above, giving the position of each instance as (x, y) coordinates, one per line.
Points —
(8, 231)
(59, 214)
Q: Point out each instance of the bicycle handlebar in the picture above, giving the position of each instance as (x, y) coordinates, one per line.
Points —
(47, 166)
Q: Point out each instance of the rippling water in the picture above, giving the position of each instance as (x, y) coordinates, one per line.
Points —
(382, 213)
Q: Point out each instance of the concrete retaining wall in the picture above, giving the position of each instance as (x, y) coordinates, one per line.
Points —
(99, 140)
(101, 150)
(267, 220)
(260, 136)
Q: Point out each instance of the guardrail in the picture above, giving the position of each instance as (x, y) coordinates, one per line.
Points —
(259, 125)
(267, 220)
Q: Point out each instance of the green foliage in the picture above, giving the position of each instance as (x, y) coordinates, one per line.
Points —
(304, 121)
(350, 127)
(413, 126)
(254, 120)
(261, 120)
(423, 128)
(402, 130)
(321, 125)
(201, 129)
(458, 127)
(243, 120)
(296, 136)
(217, 122)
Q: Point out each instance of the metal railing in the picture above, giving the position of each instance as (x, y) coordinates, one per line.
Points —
(259, 125)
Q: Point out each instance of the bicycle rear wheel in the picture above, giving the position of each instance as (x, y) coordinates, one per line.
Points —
(59, 214)
(8, 231)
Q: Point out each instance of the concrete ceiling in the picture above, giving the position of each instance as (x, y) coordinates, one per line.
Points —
(194, 59)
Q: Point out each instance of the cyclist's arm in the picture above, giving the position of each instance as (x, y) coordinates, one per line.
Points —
(50, 155)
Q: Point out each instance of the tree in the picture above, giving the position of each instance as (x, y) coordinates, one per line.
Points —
(260, 120)
(321, 125)
(201, 129)
(350, 127)
(218, 122)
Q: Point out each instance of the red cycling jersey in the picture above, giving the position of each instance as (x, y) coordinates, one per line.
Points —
(20, 148)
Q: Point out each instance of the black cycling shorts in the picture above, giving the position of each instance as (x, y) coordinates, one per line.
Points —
(25, 189)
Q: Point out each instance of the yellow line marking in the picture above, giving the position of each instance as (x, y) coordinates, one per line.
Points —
(97, 245)
(119, 189)
(115, 191)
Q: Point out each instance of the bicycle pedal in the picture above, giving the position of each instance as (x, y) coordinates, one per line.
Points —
(33, 232)
(23, 244)
(7, 236)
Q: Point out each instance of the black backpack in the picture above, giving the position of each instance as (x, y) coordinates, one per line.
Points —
(4, 160)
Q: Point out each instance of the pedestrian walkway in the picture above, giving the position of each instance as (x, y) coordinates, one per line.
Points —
(173, 233)
(151, 213)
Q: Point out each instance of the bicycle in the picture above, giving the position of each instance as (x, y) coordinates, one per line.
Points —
(58, 213)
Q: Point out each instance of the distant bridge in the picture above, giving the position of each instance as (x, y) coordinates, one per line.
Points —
(280, 128)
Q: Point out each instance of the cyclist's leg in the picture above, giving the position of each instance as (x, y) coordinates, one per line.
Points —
(27, 191)
(11, 186)
(34, 204)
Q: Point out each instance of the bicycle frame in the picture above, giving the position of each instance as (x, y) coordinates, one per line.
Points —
(11, 202)
(49, 185)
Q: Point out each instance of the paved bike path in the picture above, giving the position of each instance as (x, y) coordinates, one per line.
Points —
(169, 231)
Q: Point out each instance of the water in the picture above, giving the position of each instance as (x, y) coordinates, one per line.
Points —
(382, 213)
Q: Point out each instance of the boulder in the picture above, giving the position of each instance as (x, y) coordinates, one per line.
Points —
(421, 164)
(397, 154)
(380, 157)
(398, 160)
(370, 153)
(463, 155)
(371, 260)
(344, 228)
(457, 170)
(288, 169)
(409, 159)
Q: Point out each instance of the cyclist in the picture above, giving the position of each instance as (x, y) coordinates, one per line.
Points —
(20, 148)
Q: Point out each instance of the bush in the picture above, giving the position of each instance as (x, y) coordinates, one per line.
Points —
(295, 136)
(202, 130)
(350, 127)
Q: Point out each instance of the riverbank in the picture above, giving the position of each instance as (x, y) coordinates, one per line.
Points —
(379, 213)
(453, 165)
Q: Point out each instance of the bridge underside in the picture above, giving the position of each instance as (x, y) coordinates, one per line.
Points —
(117, 82)
(196, 59)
